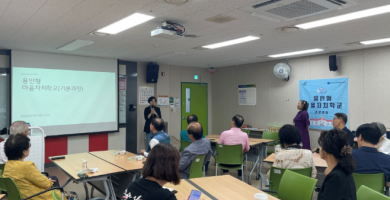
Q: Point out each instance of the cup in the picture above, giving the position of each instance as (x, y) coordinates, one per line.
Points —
(260, 196)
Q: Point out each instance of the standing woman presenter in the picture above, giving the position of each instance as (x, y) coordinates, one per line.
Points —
(302, 122)
(150, 112)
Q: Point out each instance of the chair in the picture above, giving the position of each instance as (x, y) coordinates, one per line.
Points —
(247, 131)
(294, 186)
(374, 181)
(229, 157)
(365, 193)
(13, 192)
(196, 169)
(2, 185)
(276, 175)
(184, 144)
(271, 136)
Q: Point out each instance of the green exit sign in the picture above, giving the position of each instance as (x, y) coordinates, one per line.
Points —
(196, 77)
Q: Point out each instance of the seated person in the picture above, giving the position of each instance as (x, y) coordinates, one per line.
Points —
(199, 146)
(384, 143)
(183, 133)
(26, 175)
(293, 157)
(161, 167)
(156, 127)
(18, 127)
(368, 159)
(339, 121)
(335, 149)
(235, 136)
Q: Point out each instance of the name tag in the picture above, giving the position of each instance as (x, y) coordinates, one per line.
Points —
(277, 171)
(197, 160)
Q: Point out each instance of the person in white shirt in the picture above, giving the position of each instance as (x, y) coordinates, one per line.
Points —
(18, 127)
(384, 143)
(293, 156)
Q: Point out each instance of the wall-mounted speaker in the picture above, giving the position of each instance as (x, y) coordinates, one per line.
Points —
(333, 63)
(152, 72)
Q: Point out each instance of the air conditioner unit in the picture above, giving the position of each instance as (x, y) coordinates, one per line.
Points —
(287, 10)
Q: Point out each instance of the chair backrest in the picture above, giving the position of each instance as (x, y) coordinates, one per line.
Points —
(294, 186)
(196, 169)
(365, 193)
(2, 185)
(229, 154)
(184, 144)
(2, 166)
(276, 175)
(55, 195)
(373, 181)
(247, 131)
(13, 192)
(271, 136)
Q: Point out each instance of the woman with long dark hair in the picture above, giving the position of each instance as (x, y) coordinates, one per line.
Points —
(336, 151)
(302, 122)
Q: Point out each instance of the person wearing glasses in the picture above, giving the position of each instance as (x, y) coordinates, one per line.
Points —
(339, 121)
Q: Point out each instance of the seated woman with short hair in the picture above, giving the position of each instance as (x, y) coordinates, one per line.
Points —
(293, 156)
(161, 167)
(26, 175)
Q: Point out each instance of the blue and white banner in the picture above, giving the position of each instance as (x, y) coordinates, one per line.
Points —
(325, 98)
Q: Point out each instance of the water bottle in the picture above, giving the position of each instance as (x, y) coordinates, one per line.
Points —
(84, 166)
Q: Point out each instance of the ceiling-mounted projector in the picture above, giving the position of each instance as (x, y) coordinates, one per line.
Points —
(163, 33)
(169, 30)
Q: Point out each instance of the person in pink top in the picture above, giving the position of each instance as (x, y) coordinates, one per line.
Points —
(235, 136)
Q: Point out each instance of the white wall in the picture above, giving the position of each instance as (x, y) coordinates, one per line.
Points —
(368, 71)
(170, 85)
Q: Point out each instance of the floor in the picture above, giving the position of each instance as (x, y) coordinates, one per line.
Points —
(79, 189)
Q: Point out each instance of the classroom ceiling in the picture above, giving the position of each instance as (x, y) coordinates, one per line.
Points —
(45, 25)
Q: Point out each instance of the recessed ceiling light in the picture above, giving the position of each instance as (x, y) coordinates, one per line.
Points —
(346, 17)
(231, 42)
(375, 41)
(76, 44)
(295, 53)
(125, 23)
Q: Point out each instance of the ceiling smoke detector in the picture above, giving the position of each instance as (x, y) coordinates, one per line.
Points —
(176, 2)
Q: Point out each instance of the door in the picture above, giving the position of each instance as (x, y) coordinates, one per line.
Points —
(194, 101)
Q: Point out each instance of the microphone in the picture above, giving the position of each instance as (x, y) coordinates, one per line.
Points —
(152, 107)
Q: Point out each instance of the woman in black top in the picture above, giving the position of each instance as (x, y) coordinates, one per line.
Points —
(161, 167)
(335, 150)
(150, 112)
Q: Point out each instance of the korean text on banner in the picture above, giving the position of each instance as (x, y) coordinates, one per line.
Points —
(325, 98)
